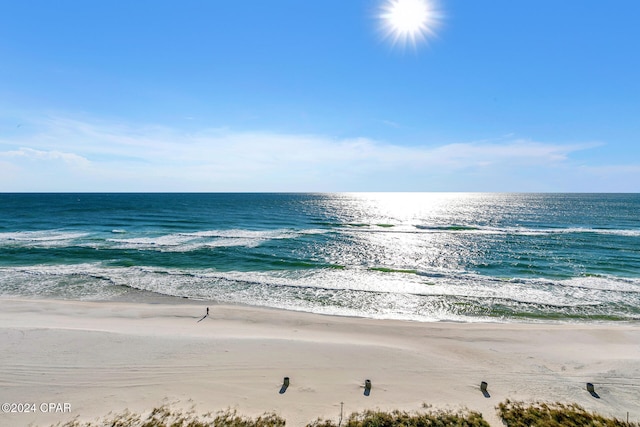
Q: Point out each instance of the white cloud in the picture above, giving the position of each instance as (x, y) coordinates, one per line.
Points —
(100, 156)
(38, 155)
(520, 151)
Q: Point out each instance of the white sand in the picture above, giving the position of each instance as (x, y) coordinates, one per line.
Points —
(106, 357)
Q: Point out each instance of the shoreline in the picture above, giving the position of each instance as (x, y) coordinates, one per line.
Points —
(150, 297)
(108, 356)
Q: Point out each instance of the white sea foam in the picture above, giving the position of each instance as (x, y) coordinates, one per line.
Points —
(150, 242)
(41, 236)
(185, 242)
(353, 291)
(603, 283)
(525, 231)
(79, 281)
(44, 238)
(174, 242)
(245, 234)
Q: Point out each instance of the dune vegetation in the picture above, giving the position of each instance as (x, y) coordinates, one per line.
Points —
(513, 414)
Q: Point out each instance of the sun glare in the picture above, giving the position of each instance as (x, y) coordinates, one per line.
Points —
(409, 21)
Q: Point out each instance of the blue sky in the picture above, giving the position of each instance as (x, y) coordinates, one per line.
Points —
(296, 95)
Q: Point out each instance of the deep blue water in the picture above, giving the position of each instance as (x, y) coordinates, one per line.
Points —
(420, 256)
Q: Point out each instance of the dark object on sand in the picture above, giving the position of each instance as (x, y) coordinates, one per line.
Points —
(483, 389)
(285, 385)
(592, 390)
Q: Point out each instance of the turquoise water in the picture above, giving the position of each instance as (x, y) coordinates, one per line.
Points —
(417, 256)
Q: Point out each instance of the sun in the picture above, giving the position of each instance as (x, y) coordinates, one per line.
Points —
(409, 22)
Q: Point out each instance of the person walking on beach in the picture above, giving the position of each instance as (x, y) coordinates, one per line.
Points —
(203, 317)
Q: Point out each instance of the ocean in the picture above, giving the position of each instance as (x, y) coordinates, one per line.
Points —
(464, 257)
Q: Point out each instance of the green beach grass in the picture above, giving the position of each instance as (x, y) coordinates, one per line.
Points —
(513, 414)
(519, 414)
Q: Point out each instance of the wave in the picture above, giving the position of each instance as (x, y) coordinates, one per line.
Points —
(177, 242)
(447, 227)
(189, 241)
(185, 242)
(43, 238)
(364, 292)
(478, 229)
(526, 230)
(570, 230)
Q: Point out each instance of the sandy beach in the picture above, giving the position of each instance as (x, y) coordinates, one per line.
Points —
(92, 358)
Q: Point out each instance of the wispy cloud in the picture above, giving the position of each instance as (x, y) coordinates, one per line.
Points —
(522, 152)
(24, 153)
(91, 155)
